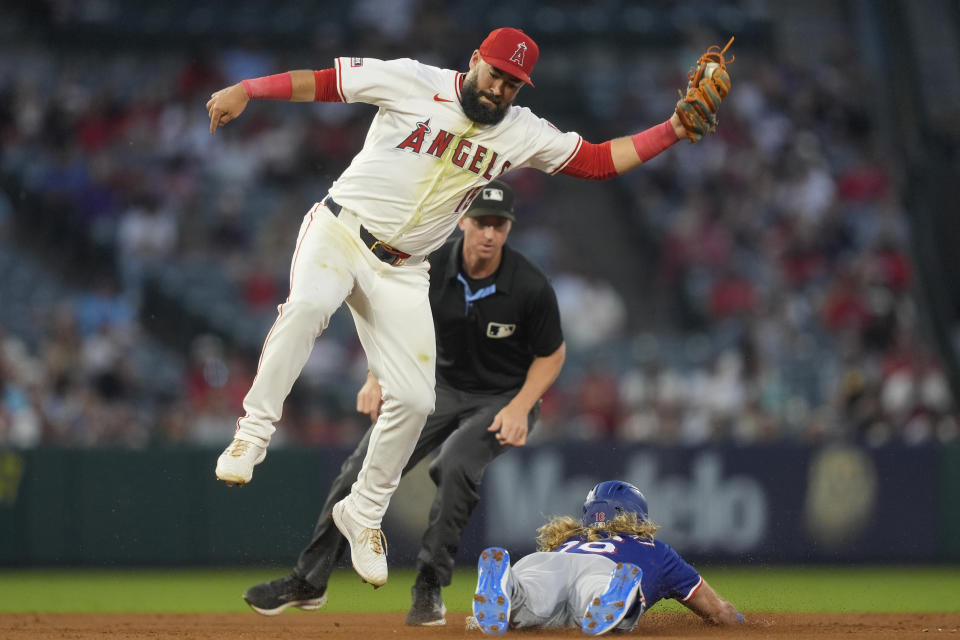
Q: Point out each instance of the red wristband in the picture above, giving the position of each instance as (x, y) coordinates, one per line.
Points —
(277, 87)
(654, 140)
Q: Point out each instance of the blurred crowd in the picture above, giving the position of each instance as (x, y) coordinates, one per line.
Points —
(777, 304)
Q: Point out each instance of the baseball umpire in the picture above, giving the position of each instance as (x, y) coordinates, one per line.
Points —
(438, 138)
(499, 347)
(599, 573)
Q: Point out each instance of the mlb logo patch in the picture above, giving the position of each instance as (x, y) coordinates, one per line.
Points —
(356, 62)
(492, 193)
(498, 330)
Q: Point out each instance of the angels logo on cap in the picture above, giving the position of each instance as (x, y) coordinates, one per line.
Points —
(517, 56)
(512, 51)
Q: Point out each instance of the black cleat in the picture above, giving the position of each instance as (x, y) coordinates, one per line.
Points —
(271, 598)
(427, 609)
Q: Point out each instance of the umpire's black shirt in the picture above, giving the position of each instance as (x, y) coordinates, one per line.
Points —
(487, 345)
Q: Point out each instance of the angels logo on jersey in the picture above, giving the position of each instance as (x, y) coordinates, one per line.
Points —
(415, 139)
(466, 154)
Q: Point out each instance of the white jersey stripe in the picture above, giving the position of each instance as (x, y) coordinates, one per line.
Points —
(695, 588)
(340, 80)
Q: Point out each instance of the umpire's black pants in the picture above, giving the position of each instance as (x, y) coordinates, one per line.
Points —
(459, 422)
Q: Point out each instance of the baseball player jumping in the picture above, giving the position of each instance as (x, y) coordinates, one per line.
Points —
(499, 348)
(438, 137)
(599, 573)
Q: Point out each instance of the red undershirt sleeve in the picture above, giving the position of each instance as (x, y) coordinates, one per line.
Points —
(326, 80)
(595, 161)
(592, 162)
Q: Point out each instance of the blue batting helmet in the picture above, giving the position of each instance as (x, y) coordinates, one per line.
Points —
(609, 499)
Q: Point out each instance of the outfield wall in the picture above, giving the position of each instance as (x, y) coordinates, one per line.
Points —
(774, 504)
(950, 492)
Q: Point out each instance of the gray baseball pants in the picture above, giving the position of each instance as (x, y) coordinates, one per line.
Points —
(552, 590)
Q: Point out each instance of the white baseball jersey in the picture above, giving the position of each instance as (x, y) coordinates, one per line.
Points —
(423, 160)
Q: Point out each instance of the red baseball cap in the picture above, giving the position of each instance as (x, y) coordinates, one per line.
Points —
(511, 51)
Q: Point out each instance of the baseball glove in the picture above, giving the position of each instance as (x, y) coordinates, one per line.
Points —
(708, 85)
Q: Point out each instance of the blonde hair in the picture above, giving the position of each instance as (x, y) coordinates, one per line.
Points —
(562, 528)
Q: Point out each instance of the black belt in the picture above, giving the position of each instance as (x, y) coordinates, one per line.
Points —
(383, 251)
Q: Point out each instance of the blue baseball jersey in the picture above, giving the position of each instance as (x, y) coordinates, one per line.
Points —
(665, 573)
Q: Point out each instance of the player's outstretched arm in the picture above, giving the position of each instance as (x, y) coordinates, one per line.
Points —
(615, 157)
(297, 86)
(707, 604)
(694, 117)
(630, 152)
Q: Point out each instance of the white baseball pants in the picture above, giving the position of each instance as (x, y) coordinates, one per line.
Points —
(391, 308)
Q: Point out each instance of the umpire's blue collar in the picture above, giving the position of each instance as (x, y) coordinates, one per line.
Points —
(505, 272)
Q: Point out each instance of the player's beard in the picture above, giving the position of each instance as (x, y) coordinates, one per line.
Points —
(480, 112)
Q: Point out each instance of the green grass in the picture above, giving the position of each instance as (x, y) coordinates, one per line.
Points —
(837, 589)
(833, 589)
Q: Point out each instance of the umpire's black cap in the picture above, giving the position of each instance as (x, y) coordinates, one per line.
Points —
(495, 199)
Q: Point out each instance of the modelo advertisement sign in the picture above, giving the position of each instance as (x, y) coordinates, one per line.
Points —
(764, 504)
(785, 504)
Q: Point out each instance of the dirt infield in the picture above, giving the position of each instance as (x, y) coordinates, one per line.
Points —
(301, 626)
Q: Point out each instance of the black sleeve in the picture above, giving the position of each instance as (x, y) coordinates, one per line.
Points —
(546, 336)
